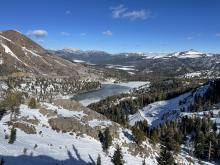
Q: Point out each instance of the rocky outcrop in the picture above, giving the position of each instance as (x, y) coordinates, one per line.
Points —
(27, 128)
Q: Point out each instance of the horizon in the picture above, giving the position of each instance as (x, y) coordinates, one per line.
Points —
(117, 26)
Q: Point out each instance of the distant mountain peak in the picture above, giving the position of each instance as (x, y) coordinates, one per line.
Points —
(77, 50)
(71, 50)
(191, 53)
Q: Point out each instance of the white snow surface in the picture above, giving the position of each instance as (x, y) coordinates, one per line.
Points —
(192, 74)
(8, 51)
(49, 147)
(161, 111)
(188, 54)
(78, 61)
(122, 67)
(95, 123)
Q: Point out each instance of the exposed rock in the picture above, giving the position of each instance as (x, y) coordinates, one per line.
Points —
(27, 128)
(21, 54)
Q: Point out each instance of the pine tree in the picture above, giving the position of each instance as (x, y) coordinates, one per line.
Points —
(117, 158)
(139, 135)
(101, 137)
(32, 104)
(99, 160)
(2, 162)
(165, 157)
(12, 137)
(12, 102)
(154, 136)
(199, 146)
(107, 139)
(214, 127)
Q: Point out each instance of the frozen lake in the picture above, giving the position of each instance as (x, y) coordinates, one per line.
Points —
(108, 89)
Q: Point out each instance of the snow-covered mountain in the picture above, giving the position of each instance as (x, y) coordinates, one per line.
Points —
(161, 111)
(65, 132)
(18, 53)
(178, 64)
(76, 50)
(189, 54)
(88, 56)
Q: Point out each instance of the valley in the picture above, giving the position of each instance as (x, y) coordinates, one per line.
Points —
(90, 82)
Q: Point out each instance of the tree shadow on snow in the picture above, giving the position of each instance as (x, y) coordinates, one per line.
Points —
(46, 160)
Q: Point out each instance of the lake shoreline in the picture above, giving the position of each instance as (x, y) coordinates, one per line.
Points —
(107, 89)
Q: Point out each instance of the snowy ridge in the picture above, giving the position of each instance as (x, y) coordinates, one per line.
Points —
(49, 147)
(189, 54)
(161, 111)
(8, 51)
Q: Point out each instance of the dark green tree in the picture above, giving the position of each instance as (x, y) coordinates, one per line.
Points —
(117, 158)
(12, 101)
(139, 135)
(154, 136)
(165, 157)
(107, 139)
(2, 162)
(214, 127)
(12, 137)
(199, 145)
(99, 160)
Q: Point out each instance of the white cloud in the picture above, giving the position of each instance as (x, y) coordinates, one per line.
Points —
(141, 14)
(65, 33)
(37, 33)
(189, 38)
(118, 11)
(83, 34)
(122, 12)
(217, 34)
(107, 33)
(68, 12)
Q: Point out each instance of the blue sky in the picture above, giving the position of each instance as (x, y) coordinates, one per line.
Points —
(117, 25)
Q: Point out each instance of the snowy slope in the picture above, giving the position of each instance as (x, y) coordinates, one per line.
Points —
(215, 117)
(51, 147)
(188, 54)
(161, 111)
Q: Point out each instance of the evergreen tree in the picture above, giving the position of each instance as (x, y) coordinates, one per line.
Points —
(139, 135)
(154, 136)
(214, 127)
(199, 145)
(107, 139)
(99, 160)
(169, 138)
(165, 157)
(2, 162)
(12, 137)
(33, 103)
(117, 158)
(12, 102)
(101, 137)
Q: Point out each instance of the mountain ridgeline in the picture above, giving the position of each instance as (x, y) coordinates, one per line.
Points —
(189, 63)
(19, 54)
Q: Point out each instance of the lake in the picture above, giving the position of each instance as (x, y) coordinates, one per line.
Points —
(108, 89)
